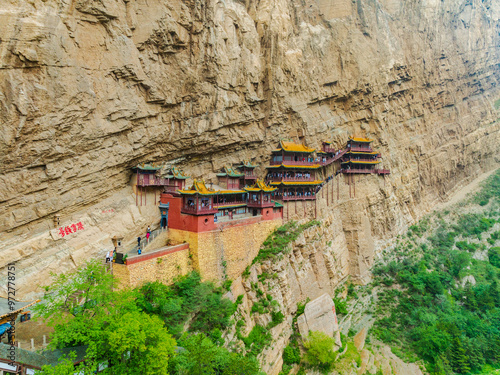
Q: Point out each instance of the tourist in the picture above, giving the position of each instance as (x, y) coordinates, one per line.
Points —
(107, 257)
(149, 229)
(139, 251)
(147, 236)
(138, 241)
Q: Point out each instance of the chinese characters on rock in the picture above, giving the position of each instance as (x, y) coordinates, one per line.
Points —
(70, 229)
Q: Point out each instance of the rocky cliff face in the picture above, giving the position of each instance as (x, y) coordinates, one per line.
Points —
(90, 88)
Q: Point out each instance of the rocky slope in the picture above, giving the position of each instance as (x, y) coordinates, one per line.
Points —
(90, 88)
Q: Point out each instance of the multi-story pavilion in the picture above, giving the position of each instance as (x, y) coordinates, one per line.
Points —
(360, 157)
(230, 179)
(248, 169)
(293, 171)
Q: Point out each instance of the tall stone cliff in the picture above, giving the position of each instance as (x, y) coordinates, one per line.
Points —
(90, 88)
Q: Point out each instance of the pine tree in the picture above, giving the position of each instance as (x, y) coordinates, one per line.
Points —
(459, 360)
(495, 293)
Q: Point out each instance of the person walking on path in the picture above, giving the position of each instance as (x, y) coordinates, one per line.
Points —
(149, 229)
(147, 236)
(139, 241)
(139, 251)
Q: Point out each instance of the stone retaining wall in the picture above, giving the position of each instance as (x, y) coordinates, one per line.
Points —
(162, 265)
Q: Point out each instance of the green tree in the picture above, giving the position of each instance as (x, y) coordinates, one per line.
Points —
(200, 356)
(85, 311)
(291, 354)
(64, 367)
(459, 359)
(494, 256)
(319, 349)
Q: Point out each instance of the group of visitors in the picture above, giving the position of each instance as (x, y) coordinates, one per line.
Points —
(139, 239)
(300, 193)
(299, 175)
(109, 256)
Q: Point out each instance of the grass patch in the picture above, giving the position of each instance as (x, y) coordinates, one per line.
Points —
(277, 242)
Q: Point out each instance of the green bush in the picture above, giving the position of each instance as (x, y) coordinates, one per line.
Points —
(277, 317)
(494, 256)
(278, 241)
(258, 338)
(187, 297)
(319, 350)
(340, 306)
(291, 354)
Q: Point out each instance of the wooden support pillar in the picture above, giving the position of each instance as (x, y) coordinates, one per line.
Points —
(354, 186)
(349, 182)
(338, 187)
(327, 203)
(333, 189)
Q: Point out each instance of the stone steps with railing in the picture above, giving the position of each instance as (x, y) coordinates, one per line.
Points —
(145, 243)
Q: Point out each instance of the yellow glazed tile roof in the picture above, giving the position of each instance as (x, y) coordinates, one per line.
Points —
(314, 166)
(199, 187)
(294, 147)
(360, 139)
(230, 191)
(362, 153)
(361, 162)
(317, 182)
(260, 186)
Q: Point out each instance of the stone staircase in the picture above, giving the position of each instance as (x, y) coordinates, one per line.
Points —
(155, 235)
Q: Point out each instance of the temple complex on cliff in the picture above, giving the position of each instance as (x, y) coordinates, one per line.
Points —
(359, 157)
(248, 169)
(293, 171)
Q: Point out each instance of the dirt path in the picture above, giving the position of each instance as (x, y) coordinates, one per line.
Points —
(462, 193)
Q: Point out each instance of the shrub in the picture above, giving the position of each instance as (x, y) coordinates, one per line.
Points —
(257, 340)
(319, 349)
(340, 306)
(278, 241)
(494, 256)
(277, 317)
(291, 354)
(227, 284)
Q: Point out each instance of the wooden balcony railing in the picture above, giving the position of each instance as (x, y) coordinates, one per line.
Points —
(360, 159)
(293, 162)
(291, 179)
(198, 210)
(329, 149)
(219, 204)
(257, 204)
(382, 171)
(360, 149)
(360, 170)
(152, 181)
(297, 198)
